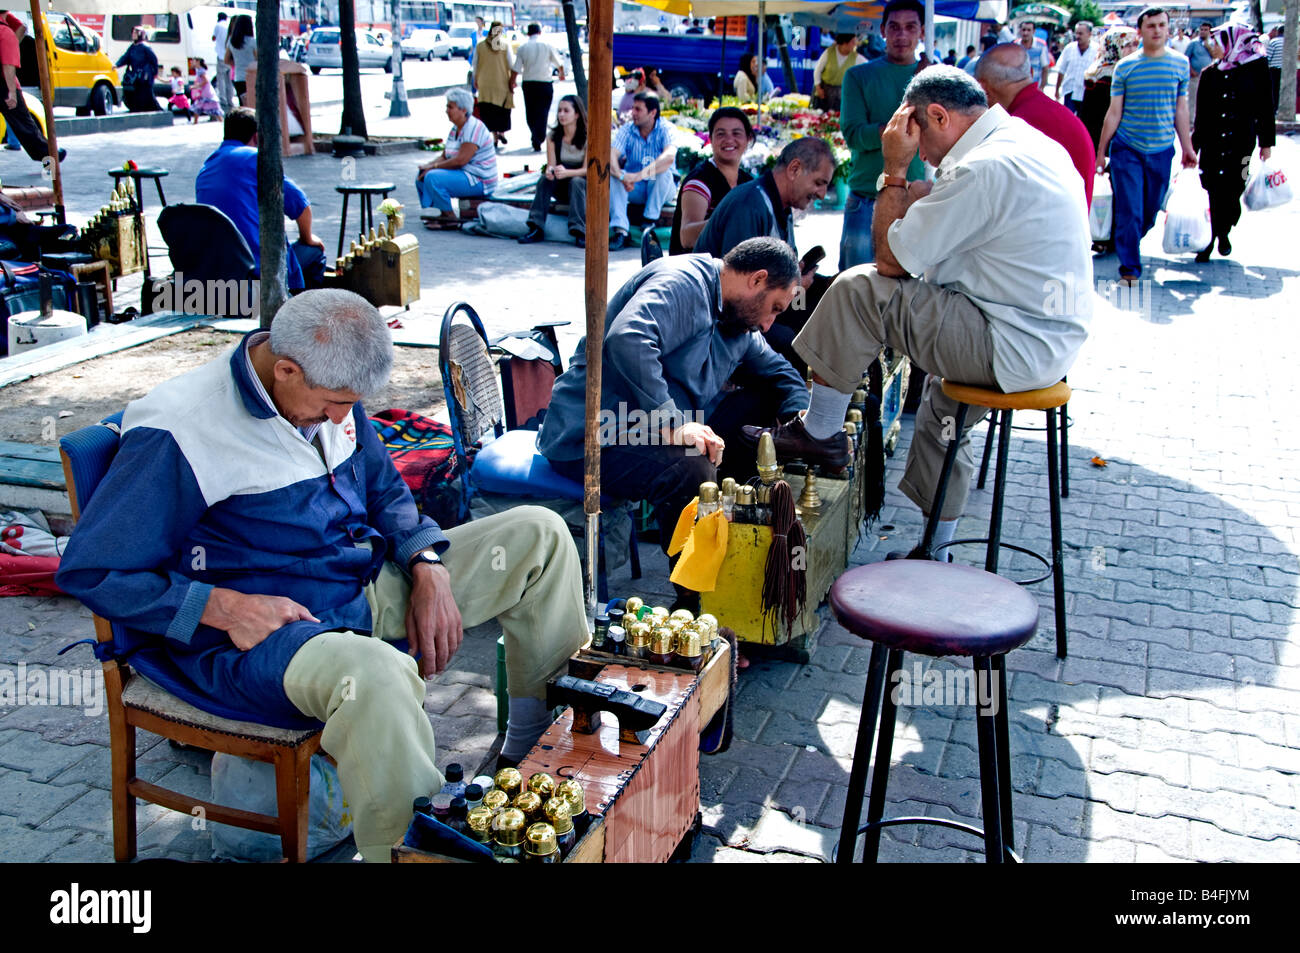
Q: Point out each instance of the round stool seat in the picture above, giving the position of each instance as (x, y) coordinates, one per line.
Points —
(1043, 399)
(370, 188)
(143, 173)
(934, 608)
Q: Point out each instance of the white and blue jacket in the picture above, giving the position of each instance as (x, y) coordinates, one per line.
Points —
(211, 487)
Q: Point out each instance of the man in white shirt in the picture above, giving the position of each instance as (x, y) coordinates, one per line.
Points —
(985, 278)
(225, 87)
(1075, 58)
(534, 63)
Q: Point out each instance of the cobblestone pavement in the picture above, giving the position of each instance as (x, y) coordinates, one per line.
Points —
(1172, 731)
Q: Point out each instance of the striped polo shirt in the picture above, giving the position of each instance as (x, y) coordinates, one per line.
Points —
(1150, 86)
(1275, 47)
(635, 152)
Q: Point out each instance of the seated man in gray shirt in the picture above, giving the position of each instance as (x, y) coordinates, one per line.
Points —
(1003, 287)
(674, 335)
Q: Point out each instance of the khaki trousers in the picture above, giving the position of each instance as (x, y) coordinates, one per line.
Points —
(941, 330)
(520, 567)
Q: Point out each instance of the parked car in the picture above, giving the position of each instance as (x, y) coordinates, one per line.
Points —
(426, 44)
(324, 51)
(462, 39)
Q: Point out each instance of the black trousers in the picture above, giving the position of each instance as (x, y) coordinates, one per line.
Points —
(537, 106)
(670, 477)
(1275, 78)
(1225, 189)
(24, 126)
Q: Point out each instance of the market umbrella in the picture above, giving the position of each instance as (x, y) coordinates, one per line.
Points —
(1041, 13)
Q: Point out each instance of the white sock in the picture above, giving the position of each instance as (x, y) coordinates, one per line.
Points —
(825, 415)
(529, 717)
(945, 532)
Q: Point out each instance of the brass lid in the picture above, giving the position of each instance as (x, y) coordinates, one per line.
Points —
(557, 814)
(661, 640)
(708, 621)
(638, 635)
(728, 488)
(496, 800)
(530, 802)
(766, 457)
(677, 624)
(686, 615)
(859, 397)
(854, 416)
(688, 643)
(745, 496)
(850, 428)
(508, 827)
(479, 820)
(659, 612)
(709, 492)
(634, 604)
(539, 839)
(542, 784)
(571, 790)
(509, 780)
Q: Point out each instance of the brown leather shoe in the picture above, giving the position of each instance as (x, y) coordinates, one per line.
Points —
(793, 441)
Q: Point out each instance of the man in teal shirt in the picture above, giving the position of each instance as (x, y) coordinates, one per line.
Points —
(870, 96)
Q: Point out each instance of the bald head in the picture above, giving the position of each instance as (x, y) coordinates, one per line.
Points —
(1003, 72)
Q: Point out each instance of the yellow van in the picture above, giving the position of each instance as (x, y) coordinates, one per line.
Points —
(81, 73)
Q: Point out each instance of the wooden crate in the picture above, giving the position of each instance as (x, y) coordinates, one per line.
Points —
(643, 798)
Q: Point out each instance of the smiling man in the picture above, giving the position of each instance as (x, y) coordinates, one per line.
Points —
(255, 539)
(985, 279)
(674, 335)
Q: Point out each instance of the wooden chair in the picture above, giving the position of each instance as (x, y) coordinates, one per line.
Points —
(135, 702)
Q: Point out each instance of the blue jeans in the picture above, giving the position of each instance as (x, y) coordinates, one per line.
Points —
(440, 186)
(856, 247)
(1139, 181)
(652, 194)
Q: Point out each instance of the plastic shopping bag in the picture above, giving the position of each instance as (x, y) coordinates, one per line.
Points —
(1101, 212)
(250, 785)
(1187, 223)
(1267, 187)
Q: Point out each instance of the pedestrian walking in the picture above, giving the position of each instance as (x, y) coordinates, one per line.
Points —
(1075, 60)
(1198, 57)
(203, 98)
(141, 67)
(241, 53)
(179, 103)
(225, 88)
(1276, 42)
(495, 81)
(18, 119)
(1235, 113)
(1040, 57)
(1148, 108)
(870, 97)
(535, 63)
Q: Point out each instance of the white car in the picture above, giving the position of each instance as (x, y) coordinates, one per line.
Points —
(427, 44)
(462, 39)
(323, 51)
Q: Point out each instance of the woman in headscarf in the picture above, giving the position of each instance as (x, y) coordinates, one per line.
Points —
(1234, 110)
(495, 80)
(1118, 43)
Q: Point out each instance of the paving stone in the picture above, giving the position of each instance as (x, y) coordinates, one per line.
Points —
(40, 759)
(1128, 678)
(93, 811)
(772, 762)
(19, 843)
(1108, 757)
(31, 802)
(1046, 845)
(85, 848)
(1207, 774)
(1211, 845)
(1169, 833)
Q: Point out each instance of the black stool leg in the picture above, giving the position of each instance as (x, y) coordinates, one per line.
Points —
(367, 215)
(862, 754)
(343, 225)
(988, 752)
(1065, 450)
(936, 505)
(999, 491)
(161, 198)
(1058, 560)
(988, 448)
(884, 751)
(997, 694)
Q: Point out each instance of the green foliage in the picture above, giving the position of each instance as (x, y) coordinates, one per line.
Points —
(1084, 10)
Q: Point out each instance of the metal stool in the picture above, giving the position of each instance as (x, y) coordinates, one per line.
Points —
(1065, 447)
(135, 175)
(365, 194)
(1002, 405)
(895, 606)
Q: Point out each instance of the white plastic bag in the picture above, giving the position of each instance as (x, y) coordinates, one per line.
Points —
(1267, 187)
(250, 785)
(503, 220)
(1187, 223)
(1101, 213)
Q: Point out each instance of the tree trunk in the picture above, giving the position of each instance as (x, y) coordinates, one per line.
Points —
(1286, 98)
(270, 165)
(1257, 16)
(575, 48)
(354, 114)
(787, 68)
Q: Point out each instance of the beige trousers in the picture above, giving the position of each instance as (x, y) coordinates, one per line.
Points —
(943, 331)
(520, 567)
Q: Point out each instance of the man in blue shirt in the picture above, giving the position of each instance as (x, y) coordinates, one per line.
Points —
(1198, 57)
(1148, 105)
(228, 181)
(642, 157)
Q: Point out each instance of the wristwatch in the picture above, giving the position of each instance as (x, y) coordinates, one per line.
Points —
(425, 556)
(885, 180)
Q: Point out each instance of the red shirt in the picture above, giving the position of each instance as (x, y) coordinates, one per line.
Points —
(1056, 122)
(9, 55)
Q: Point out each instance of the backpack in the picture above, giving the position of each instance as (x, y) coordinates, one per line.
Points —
(424, 454)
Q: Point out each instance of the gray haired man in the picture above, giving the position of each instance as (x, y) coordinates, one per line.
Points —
(275, 553)
(984, 278)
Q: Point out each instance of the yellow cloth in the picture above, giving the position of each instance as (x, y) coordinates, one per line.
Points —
(704, 550)
(685, 523)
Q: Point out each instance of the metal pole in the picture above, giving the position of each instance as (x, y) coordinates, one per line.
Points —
(398, 108)
(762, 57)
(47, 100)
(600, 37)
(929, 32)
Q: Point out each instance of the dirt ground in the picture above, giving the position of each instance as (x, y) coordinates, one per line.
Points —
(85, 393)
